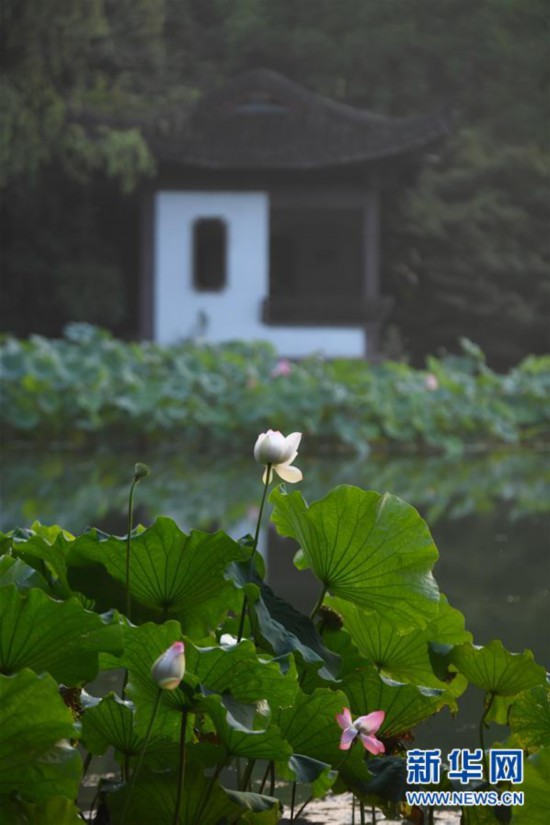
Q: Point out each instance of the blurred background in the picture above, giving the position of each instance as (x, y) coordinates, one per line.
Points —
(88, 86)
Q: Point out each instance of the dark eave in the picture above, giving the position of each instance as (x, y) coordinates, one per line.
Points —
(261, 120)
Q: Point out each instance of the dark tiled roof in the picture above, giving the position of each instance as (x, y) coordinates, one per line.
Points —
(262, 120)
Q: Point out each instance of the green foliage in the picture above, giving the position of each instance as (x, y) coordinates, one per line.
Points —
(388, 641)
(37, 760)
(90, 383)
(472, 260)
(365, 548)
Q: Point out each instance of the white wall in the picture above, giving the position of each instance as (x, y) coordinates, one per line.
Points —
(234, 312)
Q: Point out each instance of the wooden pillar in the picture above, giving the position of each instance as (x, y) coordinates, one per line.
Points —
(371, 265)
(147, 265)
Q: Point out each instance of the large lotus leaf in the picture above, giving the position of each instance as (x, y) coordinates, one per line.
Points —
(241, 741)
(496, 670)
(33, 719)
(536, 787)
(59, 637)
(46, 548)
(373, 550)
(153, 800)
(308, 771)
(404, 658)
(530, 717)
(238, 670)
(180, 576)
(405, 705)
(110, 721)
(53, 811)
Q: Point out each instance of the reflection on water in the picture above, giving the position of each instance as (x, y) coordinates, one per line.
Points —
(489, 516)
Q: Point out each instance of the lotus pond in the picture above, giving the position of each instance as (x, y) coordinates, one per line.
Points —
(254, 712)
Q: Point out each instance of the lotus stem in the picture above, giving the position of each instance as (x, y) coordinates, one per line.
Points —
(319, 602)
(254, 548)
(266, 774)
(141, 755)
(293, 801)
(181, 772)
(482, 733)
(247, 774)
(86, 765)
(128, 600)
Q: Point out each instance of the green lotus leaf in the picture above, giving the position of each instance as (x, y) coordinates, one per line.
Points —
(15, 571)
(530, 717)
(404, 658)
(46, 548)
(153, 799)
(53, 811)
(308, 771)
(241, 741)
(536, 787)
(180, 576)
(405, 705)
(59, 637)
(33, 719)
(238, 670)
(110, 721)
(287, 630)
(495, 670)
(370, 549)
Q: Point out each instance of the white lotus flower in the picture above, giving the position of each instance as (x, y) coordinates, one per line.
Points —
(272, 448)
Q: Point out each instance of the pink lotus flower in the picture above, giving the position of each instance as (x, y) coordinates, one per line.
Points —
(282, 367)
(168, 670)
(364, 727)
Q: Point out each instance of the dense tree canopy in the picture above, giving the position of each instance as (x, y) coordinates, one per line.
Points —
(466, 250)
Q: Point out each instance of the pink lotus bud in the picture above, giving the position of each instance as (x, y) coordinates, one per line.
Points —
(431, 383)
(169, 668)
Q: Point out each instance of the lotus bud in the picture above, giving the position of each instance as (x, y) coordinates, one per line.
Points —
(169, 668)
(140, 471)
(270, 448)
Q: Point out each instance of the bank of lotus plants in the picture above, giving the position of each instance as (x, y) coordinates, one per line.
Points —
(227, 700)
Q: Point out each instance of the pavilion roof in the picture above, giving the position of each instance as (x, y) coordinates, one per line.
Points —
(262, 120)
